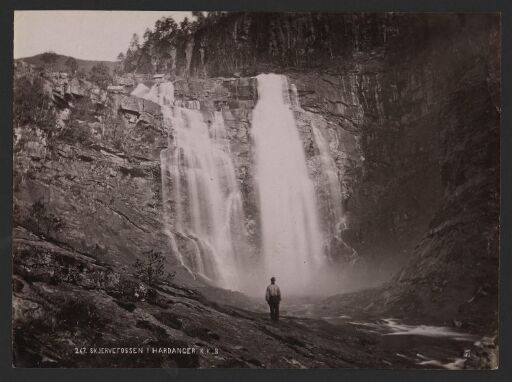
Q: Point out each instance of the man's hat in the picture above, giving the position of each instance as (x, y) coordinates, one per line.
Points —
(272, 278)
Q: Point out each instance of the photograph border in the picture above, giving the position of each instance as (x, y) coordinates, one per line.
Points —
(8, 373)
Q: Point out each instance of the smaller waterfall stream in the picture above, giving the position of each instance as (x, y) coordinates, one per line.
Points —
(330, 171)
(202, 201)
(335, 223)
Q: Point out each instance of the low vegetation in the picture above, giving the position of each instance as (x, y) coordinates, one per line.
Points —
(78, 129)
(79, 313)
(42, 222)
(31, 104)
(151, 269)
(100, 75)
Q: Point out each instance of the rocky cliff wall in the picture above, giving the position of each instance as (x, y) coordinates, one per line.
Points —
(359, 73)
(413, 101)
(96, 182)
(394, 85)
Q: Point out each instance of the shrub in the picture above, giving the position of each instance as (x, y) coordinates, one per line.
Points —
(126, 288)
(83, 110)
(78, 129)
(118, 143)
(151, 268)
(41, 221)
(77, 132)
(79, 313)
(100, 75)
(72, 65)
(49, 58)
(81, 74)
(31, 104)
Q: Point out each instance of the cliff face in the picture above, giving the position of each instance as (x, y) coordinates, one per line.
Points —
(359, 73)
(408, 90)
(409, 106)
(420, 96)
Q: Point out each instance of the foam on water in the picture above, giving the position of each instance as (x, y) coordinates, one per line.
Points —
(424, 330)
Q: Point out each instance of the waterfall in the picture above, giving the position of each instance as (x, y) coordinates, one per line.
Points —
(161, 93)
(201, 197)
(209, 203)
(330, 171)
(291, 234)
(203, 205)
(335, 223)
(294, 97)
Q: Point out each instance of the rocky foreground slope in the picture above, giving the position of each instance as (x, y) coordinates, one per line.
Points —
(66, 302)
(71, 310)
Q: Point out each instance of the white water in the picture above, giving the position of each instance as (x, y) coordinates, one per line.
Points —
(161, 93)
(393, 327)
(456, 364)
(201, 197)
(397, 328)
(330, 170)
(292, 239)
(336, 222)
(203, 209)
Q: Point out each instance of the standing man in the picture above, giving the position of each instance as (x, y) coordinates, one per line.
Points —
(273, 297)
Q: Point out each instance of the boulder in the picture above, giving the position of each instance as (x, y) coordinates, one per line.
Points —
(150, 107)
(131, 104)
(75, 88)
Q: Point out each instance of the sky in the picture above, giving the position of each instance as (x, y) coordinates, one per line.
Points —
(89, 35)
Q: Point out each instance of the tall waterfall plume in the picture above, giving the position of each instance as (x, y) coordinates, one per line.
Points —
(291, 233)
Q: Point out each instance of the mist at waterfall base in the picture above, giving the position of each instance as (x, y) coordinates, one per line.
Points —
(203, 205)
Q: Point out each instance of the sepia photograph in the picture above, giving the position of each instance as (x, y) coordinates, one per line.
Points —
(275, 190)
